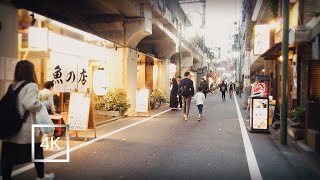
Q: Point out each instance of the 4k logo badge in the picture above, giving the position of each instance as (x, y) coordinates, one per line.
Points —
(51, 144)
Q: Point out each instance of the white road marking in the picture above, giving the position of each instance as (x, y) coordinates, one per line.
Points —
(251, 158)
(30, 166)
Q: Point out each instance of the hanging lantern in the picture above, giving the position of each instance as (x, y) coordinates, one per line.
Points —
(100, 82)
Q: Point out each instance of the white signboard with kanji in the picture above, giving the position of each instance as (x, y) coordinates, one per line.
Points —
(83, 77)
(71, 78)
(69, 73)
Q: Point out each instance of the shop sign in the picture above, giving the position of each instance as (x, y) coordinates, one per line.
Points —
(69, 73)
(259, 114)
(260, 89)
(261, 39)
(142, 100)
(246, 68)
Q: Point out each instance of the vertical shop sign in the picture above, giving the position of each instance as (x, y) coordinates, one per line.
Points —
(261, 38)
(294, 78)
(246, 72)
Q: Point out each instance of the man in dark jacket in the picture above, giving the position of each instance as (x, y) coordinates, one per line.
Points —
(186, 89)
(223, 88)
(205, 87)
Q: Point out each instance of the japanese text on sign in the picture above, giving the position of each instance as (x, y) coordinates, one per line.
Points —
(69, 73)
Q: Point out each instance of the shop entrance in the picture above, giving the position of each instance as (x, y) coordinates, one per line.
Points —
(147, 72)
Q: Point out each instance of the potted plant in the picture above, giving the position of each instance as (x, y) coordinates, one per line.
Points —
(114, 103)
(296, 129)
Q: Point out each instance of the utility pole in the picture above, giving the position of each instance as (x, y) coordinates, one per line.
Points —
(180, 49)
(284, 71)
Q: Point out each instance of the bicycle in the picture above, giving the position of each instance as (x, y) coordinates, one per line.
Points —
(155, 102)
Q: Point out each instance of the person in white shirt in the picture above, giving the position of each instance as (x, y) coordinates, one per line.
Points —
(200, 99)
(46, 96)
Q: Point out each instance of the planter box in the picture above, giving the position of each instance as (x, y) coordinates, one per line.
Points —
(296, 133)
(313, 140)
(109, 113)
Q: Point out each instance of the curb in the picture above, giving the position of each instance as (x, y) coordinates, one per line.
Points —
(109, 120)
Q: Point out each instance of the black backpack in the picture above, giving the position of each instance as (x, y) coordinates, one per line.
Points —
(10, 121)
(185, 91)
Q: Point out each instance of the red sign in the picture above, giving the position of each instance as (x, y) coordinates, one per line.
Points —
(260, 89)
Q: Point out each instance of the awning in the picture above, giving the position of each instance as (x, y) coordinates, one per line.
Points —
(273, 52)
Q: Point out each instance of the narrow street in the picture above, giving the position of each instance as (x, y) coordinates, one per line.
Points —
(168, 147)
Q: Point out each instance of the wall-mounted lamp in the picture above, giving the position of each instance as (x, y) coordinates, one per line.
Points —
(33, 21)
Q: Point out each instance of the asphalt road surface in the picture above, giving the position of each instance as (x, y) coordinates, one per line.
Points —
(168, 147)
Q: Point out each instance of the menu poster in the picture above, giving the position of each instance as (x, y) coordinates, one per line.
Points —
(78, 115)
(142, 100)
(260, 114)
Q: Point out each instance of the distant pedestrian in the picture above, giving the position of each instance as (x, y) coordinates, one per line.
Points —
(180, 97)
(174, 93)
(46, 96)
(223, 89)
(186, 90)
(205, 87)
(200, 99)
(231, 89)
(17, 149)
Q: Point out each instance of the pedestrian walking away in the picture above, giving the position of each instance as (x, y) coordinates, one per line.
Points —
(174, 94)
(180, 97)
(16, 149)
(200, 100)
(223, 88)
(205, 87)
(186, 89)
(231, 88)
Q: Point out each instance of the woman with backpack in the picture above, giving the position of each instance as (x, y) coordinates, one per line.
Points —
(16, 149)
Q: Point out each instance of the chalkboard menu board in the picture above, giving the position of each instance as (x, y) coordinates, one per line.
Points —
(78, 114)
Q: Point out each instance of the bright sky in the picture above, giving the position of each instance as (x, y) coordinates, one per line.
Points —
(220, 17)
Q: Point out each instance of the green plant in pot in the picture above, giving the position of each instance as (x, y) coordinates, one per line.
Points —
(296, 130)
(113, 103)
(298, 115)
